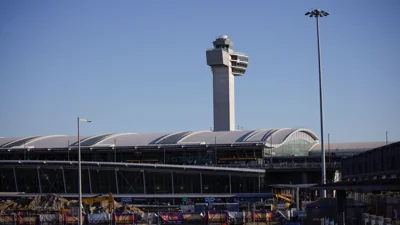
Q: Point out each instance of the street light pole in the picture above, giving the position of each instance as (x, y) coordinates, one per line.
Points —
(320, 13)
(80, 171)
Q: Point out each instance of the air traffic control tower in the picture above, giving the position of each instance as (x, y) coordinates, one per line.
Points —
(225, 64)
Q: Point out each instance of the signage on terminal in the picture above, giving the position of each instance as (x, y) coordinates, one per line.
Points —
(209, 200)
(126, 200)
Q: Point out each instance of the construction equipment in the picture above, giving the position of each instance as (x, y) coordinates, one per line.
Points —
(109, 198)
(286, 197)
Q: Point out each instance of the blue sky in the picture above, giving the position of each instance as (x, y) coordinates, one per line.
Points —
(140, 66)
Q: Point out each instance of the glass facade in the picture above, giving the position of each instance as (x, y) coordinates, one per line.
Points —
(293, 148)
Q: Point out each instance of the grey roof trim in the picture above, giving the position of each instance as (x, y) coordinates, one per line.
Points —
(109, 137)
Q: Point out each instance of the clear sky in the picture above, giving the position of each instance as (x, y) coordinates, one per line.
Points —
(140, 66)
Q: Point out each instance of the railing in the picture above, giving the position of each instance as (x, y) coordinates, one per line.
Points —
(335, 165)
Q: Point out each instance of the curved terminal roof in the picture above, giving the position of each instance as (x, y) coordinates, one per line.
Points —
(276, 137)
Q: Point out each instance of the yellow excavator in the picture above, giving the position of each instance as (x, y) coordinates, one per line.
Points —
(109, 198)
(286, 197)
(92, 200)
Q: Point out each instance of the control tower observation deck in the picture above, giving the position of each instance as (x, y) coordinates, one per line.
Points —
(225, 64)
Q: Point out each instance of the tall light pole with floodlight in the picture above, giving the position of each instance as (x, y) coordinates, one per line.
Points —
(80, 171)
(320, 13)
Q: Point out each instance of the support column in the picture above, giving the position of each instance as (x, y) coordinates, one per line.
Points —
(341, 206)
(259, 184)
(90, 181)
(116, 180)
(144, 182)
(15, 179)
(230, 183)
(172, 182)
(38, 176)
(304, 178)
(201, 183)
(298, 198)
(65, 184)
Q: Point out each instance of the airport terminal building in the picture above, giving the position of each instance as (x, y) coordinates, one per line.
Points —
(182, 162)
(224, 161)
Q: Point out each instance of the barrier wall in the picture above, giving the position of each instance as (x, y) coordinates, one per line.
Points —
(28, 220)
(171, 218)
(193, 218)
(7, 219)
(71, 220)
(124, 219)
(210, 217)
(215, 216)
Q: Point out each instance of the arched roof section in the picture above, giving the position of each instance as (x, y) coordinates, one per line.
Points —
(295, 134)
(32, 142)
(18, 142)
(132, 139)
(4, 141)
(110, 139)
(173, 138)
(260, 135)
(211, 137)
(93, 139)
(280, 135)
(59, 141)
(247, 136)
